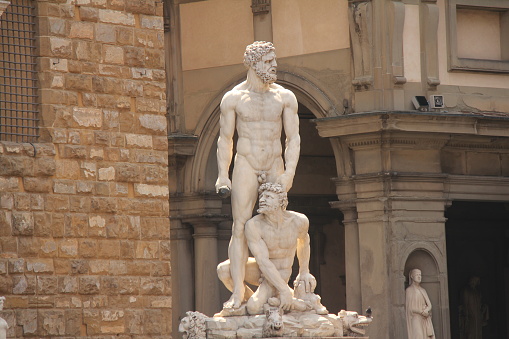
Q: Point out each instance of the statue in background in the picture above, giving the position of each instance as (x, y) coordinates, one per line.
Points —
(473, 313)
(3, 323)
(418, 309)
(258, 109)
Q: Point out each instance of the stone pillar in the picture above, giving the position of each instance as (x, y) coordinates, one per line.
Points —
(262, 20)
(205, 262)
(182, 271)
(352, 262)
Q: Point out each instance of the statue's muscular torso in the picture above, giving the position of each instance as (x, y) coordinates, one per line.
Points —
(259, 124)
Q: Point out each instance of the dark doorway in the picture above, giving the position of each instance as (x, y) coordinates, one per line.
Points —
(477, 235)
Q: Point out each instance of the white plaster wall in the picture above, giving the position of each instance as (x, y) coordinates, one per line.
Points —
(215, 32)
(412, 44)
(309, 26)
(474, 79)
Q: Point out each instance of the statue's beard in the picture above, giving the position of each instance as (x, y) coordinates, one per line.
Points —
(267, 77)
(267, 209)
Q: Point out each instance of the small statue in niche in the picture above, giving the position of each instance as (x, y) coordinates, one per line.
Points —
(473, 313)
(418, 309)
(3, 323)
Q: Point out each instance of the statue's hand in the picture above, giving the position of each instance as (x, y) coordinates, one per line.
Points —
(285, 180)
(308, 280)
(286, 298)
(223, 184)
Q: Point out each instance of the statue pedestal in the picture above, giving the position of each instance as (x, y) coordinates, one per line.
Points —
(297, 324)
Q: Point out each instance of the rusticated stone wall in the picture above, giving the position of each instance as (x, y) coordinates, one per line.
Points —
(84, 228)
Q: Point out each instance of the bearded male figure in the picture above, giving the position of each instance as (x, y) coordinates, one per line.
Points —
(258, 109)
(274, 237)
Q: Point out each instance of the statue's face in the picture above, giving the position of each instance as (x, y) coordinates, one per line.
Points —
(417, 276)
(269, 202)
(266, 68)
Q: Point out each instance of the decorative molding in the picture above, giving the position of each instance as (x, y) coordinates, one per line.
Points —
(396, 23)
(430, 30)
(260, 6)
(361, 34)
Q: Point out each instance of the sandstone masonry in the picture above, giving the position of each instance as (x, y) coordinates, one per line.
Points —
(84, 228)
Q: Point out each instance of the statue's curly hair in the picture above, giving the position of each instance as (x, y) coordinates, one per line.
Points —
(256, 51)
(275, 188)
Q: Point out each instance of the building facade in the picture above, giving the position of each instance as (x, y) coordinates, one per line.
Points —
(388, 185)
(84, 229)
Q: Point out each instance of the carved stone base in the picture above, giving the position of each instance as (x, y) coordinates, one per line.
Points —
(309, 325)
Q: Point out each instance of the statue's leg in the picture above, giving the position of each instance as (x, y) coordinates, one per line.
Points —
(252, 276)
(243, 198)
(259, 298)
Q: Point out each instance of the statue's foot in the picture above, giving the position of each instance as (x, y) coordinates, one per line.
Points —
(234, 302)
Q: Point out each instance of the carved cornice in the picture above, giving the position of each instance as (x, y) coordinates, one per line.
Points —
(182, 144)
(439, 124)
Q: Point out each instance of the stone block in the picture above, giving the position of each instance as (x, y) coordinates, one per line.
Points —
(28, 246)
(480, 163)
(58, 225)
(68, 169)
(139, 140)
(141, 6)
(37, 202)
(6, 201)
(54, 46)
(23, 284)
(78, 82)
(151, 22)
(16, 266)
(153, 322)
(107, 174)
(146, 105)
(125, 36)
(68, 284)
(5, 223)
(151, 157)
(81, 30)
(48, 248)
(147, 250)
(68, 248)
(104, 205)
(64, 187)
(132, 88)
(3, 266)
(51, 322)
(108, 249)
(79, 267)
(40, 265)
(9, 184)
(40, 185)
(127, 172)
(15, 166)
(89, 14)
(27, 319)
(6, 284)
(111, 119)
(99, 267)
(113, 55)
(155, 90)
(155, 228)
(22, 201)
(138, 268)
(127, 249)
(87, 248)
(57, 203)
(47, 285)
(152, 191)
(22, 223)
(73, 322)
(116, 17)
(86, 51)
(135, 56)
(91, 319)
(89, 285)
(155, 59)
(87, 117)
(89, 170)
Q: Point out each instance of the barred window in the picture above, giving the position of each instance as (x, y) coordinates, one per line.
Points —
(18, 84)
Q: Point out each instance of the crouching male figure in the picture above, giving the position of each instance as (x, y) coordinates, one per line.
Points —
(274, 236)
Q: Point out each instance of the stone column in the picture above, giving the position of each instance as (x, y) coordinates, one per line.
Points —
(205, 263)
(182, 271)
(352, 264)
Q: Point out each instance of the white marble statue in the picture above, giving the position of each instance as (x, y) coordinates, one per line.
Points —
(3, 323)
(418, 309)
(274, 236)
(258, 109)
